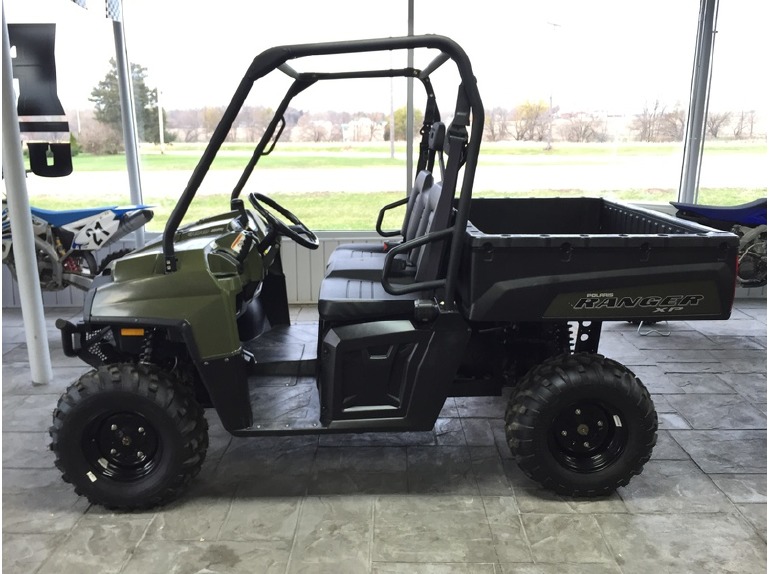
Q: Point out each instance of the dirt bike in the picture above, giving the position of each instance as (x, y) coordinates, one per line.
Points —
(66, 242)
(749, 222)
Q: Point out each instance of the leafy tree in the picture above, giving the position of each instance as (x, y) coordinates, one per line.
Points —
(106, 97)
(530, 121)
(399, 120)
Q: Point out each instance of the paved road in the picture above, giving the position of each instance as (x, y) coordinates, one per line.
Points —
(514, 175)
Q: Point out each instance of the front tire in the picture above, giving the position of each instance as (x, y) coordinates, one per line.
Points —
(581, 425)
(128, 436)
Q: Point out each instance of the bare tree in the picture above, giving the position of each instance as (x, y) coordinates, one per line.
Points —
(583, 127)
(647, 124)
(745, 122)
(716, 121)
(252, 122)
(312, 129)
(739, 126)
(211, 117)
(496, 124)
(99, 138)
(338, 119)
(672, 125)
(188, 123)
(752, 118)
(368, 126)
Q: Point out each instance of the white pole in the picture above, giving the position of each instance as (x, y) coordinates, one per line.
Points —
(392, 119)
(21, 224)
(695, 130)
(129, 121)
(410, 102)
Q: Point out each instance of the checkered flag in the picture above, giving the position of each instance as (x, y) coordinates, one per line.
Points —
(114, 10)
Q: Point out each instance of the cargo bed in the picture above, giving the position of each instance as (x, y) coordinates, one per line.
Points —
(529, 259)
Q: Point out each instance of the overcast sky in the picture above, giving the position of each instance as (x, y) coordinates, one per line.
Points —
(597, 54)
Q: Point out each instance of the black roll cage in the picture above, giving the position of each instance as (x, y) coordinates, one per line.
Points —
(468, 105)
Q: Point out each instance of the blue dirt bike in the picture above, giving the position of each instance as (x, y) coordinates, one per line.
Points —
(747, 221)
(66, 242)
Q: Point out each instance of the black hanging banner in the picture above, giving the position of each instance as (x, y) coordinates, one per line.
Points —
(42, 121)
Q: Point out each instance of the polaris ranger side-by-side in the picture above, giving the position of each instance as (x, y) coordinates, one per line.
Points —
(469, 296)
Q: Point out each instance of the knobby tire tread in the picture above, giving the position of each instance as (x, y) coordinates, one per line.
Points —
(544, 383)
(151, 383)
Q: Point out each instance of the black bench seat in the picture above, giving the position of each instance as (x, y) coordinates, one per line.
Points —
(344, 299)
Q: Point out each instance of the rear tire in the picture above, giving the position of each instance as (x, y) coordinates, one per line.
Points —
(128, 436)
(581, 425)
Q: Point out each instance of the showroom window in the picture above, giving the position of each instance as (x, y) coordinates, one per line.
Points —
(734, 165)
(579, 102)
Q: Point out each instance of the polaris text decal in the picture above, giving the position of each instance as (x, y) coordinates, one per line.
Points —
(657, 303)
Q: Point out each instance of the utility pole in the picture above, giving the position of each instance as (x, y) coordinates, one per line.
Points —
(160, 124)
(549, 145)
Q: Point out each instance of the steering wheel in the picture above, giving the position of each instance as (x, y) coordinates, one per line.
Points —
(297, 232)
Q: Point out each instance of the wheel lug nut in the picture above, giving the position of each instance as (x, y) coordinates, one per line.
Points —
(114, 427)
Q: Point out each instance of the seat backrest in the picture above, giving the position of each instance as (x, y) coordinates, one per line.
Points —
(429, 200)
(438, 215)
(441, 200)
(415, 205)
(422, 183)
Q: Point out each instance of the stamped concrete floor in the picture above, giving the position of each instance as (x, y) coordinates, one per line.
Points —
(441, 502)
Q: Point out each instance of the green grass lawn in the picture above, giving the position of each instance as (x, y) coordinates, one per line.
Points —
(188, 161)
(358, 211)
(326, 155)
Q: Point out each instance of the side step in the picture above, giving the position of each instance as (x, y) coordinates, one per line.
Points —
(282, 404)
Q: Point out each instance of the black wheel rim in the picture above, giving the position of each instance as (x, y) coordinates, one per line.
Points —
(122, 446)
(588, 436)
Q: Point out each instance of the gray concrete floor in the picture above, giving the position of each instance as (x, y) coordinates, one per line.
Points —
(442, 502)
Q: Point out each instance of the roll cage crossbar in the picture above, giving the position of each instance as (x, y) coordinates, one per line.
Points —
(468, 105)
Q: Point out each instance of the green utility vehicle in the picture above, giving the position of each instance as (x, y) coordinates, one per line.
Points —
(469, 296)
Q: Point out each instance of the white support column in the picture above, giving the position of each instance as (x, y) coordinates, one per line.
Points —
(699, 94)
(410, 104)
(21, 224)
(129, 121)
